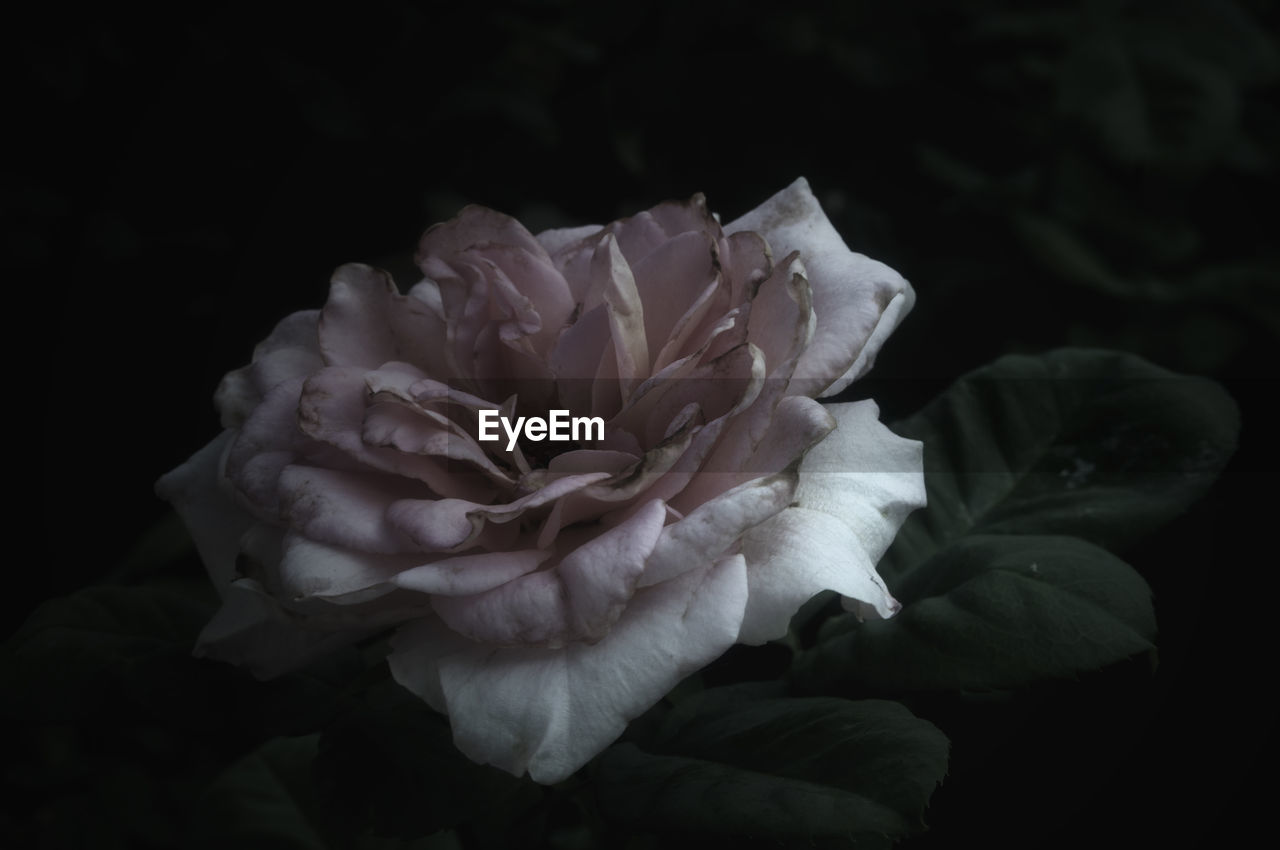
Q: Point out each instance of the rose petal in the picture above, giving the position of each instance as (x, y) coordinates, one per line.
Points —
(852, 294)
(349, 509)
(267, 443)
(577, 355)
(559, 239)
(308, 568)
(705, 534)
(626, 313)
(477, 226)
(252, 630)
(576, 601)
(856, 488)
(367, 322)
(549, 711)
(464, 575)
(865, 474)
(671, 280)
(202, 496)
(797, 554)
(645, 232)
(537, 280)
(742, 454)
(334, 409)
(291, 350)
(441, 525)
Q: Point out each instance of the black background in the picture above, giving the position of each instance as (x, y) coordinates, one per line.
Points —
(184, 179)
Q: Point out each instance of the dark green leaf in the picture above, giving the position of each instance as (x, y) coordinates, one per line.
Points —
(391, 765)
(72, 650)
(267, 799)
(991, 611)
(131, 646)
(729, 762)
(160, 547)
(1098, 444)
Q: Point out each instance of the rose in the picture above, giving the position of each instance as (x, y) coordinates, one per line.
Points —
(545, 595)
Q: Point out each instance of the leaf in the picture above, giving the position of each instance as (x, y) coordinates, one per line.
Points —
(392, 765)
(160, 547)
(73, 650)
(129, 648)
(990, 611)
(266, 799)
(727, 762)
(1101, 445)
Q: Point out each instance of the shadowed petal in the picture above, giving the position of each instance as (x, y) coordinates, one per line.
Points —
(367, 322)
(253, 631)
(200, 493)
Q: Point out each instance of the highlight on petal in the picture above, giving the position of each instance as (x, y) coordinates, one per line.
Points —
(856, 489)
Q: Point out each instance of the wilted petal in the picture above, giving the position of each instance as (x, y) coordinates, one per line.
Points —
(549, 711)
(626, 312)
(367, 322)
(645, 232)
(671, 280)
(852, 294)
(477, 226)
(334, 409)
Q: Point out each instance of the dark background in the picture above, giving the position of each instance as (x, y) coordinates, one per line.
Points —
(1098, 174)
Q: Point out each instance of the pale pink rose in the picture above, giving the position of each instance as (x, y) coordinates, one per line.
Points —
(542, 597)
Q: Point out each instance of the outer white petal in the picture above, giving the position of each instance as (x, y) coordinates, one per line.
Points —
(550, 711)
(858, 301)
(856, 488)
(202, 496)
(251, 630)
(291, 350)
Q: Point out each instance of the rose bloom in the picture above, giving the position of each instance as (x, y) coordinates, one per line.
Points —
(545, 595)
